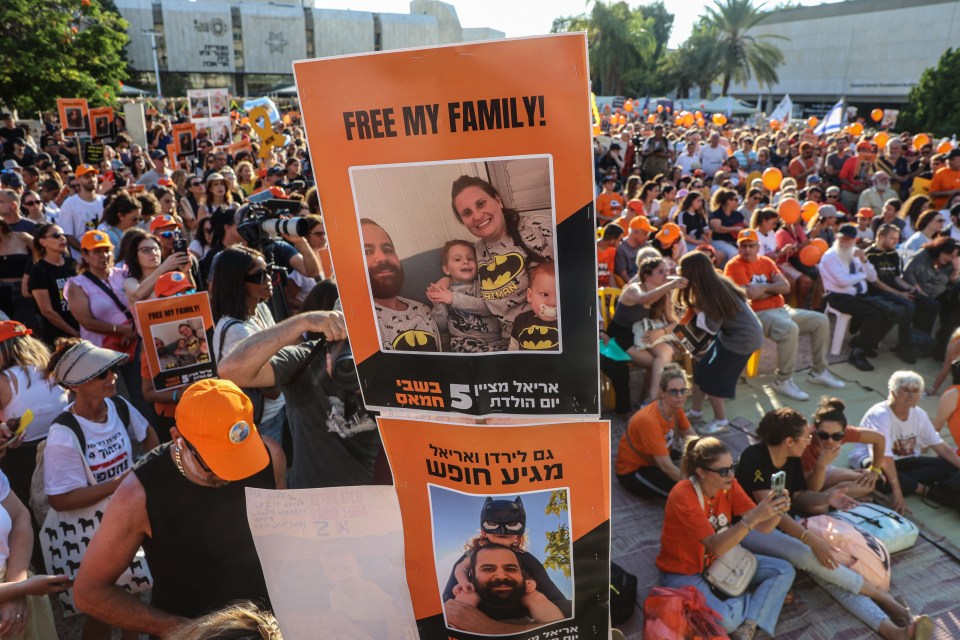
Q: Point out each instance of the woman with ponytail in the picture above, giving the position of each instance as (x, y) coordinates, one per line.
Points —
(699, 526)
(830, 433)
(508, 244)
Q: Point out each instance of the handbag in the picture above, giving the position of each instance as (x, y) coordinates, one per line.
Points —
(112, 341)
(730, 574)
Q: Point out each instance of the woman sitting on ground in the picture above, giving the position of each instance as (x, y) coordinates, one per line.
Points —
(698, 527)
(784, 435)
(830, 432)
(651, 446)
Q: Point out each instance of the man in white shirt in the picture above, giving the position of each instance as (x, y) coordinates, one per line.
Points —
(908, 432)
(687, 159)
(81, 212)
(151, 178)
(845, 272)
(713, 155)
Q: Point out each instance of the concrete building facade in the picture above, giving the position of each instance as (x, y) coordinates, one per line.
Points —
(250, 45)
(871, 52)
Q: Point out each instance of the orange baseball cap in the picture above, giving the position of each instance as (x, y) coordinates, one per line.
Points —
(94, 240)
(668, 235)
(84, 169)
(12, 329)
(172, 283)
(641, 223)
(748, 235)
(159, 222)
(216, 417)
(865, 212)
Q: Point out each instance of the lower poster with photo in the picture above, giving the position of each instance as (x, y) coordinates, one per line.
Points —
(332, 559)
(175, 332)
(506, 528)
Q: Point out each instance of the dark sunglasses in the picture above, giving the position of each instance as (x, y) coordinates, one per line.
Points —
(836, 437)
(679, 393)
(724, 472)
(194, 184)
(258, 277)
(169, 234)
(30, 203)
(115, 370)
(55, 236)
(196, 456)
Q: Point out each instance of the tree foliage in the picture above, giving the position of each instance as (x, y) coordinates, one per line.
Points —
(694, 63)
(60, 48)
(741, 56)
(932, 104)
(557, 549)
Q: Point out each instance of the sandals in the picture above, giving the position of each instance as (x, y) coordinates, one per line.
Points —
(923, 628)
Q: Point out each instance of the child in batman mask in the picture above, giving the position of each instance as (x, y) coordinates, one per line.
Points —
(536, 328)
(503, 522)
(460, 309)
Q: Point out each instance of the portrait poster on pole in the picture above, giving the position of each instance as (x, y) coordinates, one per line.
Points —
(175, 344)
(506, 529)
(184, 137)
(73, 115)
(101, 123)
(457, 190)
(332, 559)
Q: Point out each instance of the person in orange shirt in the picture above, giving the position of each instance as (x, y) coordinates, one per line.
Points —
(698, 527)
(946, 181)
(644, 464)
(804, 165)
(607, 255)
(609, 203)
(765, 285)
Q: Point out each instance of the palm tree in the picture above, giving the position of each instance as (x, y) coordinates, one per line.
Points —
(695, 62)
(740, 55)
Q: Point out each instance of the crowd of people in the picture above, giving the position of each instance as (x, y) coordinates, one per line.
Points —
(702, 263)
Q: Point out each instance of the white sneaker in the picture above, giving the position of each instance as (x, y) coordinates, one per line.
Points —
(826, 379)
(694, 416)
(790, 389)
(714, 427)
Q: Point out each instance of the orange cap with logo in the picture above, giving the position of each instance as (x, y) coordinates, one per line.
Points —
(748, 235)
(668, 235)
(94, 240)
(216, 417)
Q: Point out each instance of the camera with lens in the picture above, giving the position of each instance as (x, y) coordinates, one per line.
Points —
(347, 415)
(268, 219)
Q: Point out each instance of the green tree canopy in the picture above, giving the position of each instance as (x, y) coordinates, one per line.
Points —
(932, 104)
(53, 49)
(557, 549)
(741, 56)
(694, 63)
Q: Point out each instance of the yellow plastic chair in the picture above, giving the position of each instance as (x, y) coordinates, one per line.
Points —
(607, 300)
(753, 364)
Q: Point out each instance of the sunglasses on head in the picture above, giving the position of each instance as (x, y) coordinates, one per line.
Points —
(115, 370)
(723, 472)
(836, 437)
(258, 277)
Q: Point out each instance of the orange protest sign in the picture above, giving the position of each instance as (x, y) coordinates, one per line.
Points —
(174, 334)
(184, 137)
(101, 120)
(73, 114)
(457, 151)
(458, 485)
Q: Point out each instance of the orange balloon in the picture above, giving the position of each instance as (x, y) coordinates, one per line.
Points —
(812, 121)
(699, 115)
(808, 210)
(651, 118)
(920, 140)
(678, 121)
(772, 178)
(700, 122)
(622, 119)
(877, 115)
(628, 105)
(687, 119)
(775, 124)
(789, 210)
(810, 255)
(820, 244)
(881, 139)
(723, 118)
(944, 147)
(659, 108)
(856, 129)
(596, 129)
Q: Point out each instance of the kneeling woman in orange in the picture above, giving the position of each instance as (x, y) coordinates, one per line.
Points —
(645, 466)
(698, 527)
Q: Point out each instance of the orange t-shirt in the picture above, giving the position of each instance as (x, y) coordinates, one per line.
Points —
(945, 179)
(605, 206)
(651, 435)
(762, 271)
(163, 409)
(809, 457)
(953, 422)
(686, 524)
(606, 259)
(797, 166)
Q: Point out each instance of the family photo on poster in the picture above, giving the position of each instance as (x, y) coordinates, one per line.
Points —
(462, 259)
(175, 339)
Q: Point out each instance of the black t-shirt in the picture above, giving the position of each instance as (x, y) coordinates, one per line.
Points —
(534, 334)
(53, 280)
(887, 264)
(735, 217)
(755, 468)
(694, 224)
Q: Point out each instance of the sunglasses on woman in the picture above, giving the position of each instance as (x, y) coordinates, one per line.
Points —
(836, 437)
(722, 472)
(31, 203)
(115, 370)
(258, 277)
(54, 236)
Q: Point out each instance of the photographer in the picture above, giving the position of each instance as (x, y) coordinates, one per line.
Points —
(312, 376)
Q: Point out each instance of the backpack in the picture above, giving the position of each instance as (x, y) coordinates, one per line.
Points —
(623, 594)
(39, 504)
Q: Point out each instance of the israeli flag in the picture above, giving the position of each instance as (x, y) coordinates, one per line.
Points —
(833, 121)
